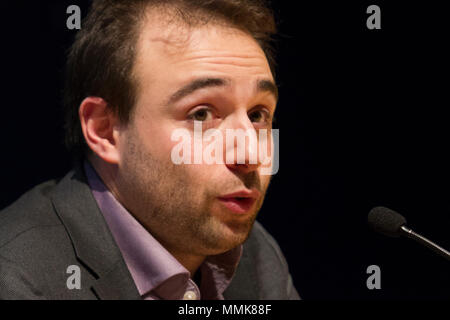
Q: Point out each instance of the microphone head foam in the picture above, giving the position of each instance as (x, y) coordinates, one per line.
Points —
(386, 221)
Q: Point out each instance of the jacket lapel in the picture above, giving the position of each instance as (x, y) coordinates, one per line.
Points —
(92, 241)
(115, 285)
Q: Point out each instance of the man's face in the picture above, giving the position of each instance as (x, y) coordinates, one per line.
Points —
(181, 205)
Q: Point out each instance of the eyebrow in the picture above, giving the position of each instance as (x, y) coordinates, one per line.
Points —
(203, 83)
(267, 86)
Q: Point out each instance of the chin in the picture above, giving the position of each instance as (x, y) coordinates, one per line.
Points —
(223, 234)
(235, 233)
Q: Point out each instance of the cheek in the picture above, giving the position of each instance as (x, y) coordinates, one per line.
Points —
(156, 138)
(204, 178)
(199, 173)
(265, 181)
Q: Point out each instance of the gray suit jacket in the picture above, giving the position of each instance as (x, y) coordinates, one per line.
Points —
(58, 224)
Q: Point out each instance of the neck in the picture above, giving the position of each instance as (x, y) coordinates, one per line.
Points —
(107, 173)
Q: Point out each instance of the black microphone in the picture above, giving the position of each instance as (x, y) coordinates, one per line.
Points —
(392, 224)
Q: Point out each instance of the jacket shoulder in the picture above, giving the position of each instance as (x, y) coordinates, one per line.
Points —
(33, 209)
(262, 243)
(263, 272)
(36, 248)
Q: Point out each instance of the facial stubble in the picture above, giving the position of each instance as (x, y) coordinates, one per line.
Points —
(176, 208)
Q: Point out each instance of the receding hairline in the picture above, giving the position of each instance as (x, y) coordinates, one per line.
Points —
(167, 14)
(170, 16)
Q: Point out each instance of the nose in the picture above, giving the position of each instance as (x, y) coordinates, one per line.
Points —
(241, 145)
(243, 168)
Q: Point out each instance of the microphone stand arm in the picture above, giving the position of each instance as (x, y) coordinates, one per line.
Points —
(424, 241)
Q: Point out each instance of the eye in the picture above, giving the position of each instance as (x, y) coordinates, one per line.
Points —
(201, 114)
(260, 116)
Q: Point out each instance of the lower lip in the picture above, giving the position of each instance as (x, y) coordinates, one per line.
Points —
(239, 206)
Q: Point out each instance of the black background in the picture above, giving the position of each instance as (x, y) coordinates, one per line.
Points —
(362, 119)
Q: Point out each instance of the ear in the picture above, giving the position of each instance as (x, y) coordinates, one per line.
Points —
(100, 128)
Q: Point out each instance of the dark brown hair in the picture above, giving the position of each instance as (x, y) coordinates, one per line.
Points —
(101, 59)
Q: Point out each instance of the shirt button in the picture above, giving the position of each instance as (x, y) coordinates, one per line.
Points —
(190, 295)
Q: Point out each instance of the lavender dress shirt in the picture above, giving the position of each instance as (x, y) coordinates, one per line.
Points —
(156, 273)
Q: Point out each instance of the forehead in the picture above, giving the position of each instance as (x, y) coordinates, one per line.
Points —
(169, 46)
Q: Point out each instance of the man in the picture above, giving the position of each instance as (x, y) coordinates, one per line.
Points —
(128, 222)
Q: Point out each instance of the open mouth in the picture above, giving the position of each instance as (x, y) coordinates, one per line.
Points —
(238, 205)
